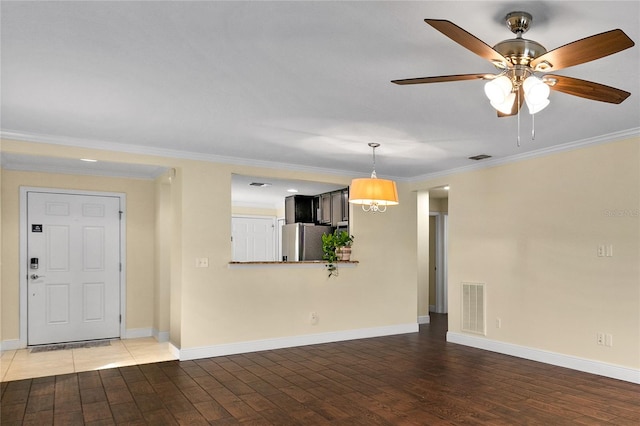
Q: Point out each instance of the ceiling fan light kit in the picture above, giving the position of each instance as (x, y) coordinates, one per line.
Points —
(518, 59)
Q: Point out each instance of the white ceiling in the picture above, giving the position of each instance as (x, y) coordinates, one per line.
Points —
(303, 85)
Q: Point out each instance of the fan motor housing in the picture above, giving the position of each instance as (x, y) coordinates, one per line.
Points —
(520, 51)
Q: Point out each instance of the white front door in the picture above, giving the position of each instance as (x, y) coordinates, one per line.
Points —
(73, 251)
(253, 238)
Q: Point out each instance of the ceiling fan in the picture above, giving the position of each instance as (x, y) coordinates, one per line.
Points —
(518, 59)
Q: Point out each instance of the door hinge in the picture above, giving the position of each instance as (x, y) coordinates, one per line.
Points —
(120, 266)
(120, 319)
(120, 215)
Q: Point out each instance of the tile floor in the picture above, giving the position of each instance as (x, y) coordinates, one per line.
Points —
(22, 364)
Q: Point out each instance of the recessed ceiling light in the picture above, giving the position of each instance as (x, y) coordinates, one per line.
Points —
(89, 160)
(292, 190)
(446, 188)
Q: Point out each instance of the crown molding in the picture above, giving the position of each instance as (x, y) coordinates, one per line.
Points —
(597, 140)
(188, 155)
(165, 153)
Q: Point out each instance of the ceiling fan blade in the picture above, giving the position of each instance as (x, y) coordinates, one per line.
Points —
(583, 50)
(586, 89)
(517, 104)
(468, 40)
(442, 78)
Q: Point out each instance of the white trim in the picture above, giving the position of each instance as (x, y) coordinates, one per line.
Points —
(611, 137)
(424, 319)
(166, 153)
(23, 251)
(580, 364)
(288, 342)
(173, 153)
(137, 333)
(160, 336)
(174, 350)
(432, 308)
(11, 345)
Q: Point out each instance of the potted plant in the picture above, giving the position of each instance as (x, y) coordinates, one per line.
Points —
(335, 247)
(343, 244)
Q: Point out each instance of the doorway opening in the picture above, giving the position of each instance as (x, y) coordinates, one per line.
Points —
(438, 247)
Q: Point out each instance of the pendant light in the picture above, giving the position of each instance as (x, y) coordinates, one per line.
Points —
(373, 194)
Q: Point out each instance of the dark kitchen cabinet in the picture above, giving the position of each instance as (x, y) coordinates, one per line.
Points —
(299, 209)
(345, 205)
(336, 208)
(333, 207)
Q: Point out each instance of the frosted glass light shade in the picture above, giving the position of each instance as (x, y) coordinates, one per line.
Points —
(498, 89)
(535, 91)
(505, 106)
(535, 108)
(370, 191)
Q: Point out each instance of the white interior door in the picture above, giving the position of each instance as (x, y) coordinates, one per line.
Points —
(74, 285)
(253, 238)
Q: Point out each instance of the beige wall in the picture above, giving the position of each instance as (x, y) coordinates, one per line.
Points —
(218, 305)
(163, 246)
(530, 231)
(140, 199)
(440, 205)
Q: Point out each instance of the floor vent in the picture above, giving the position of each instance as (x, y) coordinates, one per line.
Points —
(473, 308)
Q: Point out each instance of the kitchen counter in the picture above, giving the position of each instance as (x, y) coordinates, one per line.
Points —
(300, 264)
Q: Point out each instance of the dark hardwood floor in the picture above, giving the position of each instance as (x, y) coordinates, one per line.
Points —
(411, 379)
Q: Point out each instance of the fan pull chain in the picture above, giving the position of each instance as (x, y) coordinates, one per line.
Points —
(533, 127)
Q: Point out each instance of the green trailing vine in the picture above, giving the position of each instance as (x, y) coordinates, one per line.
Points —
(330, 244)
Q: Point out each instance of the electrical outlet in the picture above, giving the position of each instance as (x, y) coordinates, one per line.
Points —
(601, 250)
(313, 318)
(600, 338)
(202, 262)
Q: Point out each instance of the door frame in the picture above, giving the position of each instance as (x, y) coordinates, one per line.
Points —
(23, 252)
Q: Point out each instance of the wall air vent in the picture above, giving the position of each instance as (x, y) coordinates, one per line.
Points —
(259, 184)
(473, 308)
(480, 157)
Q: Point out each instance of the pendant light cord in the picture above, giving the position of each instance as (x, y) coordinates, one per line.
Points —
(373, 146)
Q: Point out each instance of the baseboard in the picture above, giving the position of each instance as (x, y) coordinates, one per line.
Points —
(174, 350)
(137, 333)
(11, 345)
(132, 333)
(289, 342)
(424, 319)
(161, 336)
(553, 358)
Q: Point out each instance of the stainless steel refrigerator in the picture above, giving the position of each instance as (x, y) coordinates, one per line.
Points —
(303, 241)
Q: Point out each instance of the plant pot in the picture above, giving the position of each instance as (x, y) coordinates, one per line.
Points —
(343, 253)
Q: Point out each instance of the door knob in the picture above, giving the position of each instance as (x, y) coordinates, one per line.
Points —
(36, 276)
